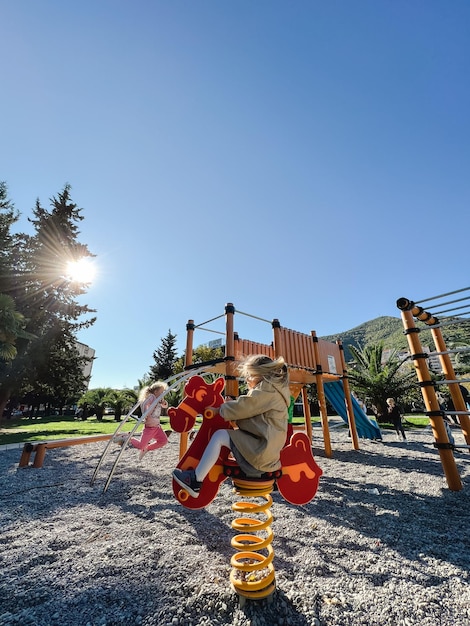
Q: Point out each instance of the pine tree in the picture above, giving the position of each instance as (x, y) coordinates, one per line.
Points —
(12, 325)
(8, 217)
(45, 296)
(164, 357)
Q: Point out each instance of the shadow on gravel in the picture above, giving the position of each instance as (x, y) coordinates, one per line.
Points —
(272, 611)
(393, 514)
(369, 507)
(377, 458)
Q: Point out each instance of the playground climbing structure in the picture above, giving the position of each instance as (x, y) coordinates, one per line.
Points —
(309, 359)
(411, 311)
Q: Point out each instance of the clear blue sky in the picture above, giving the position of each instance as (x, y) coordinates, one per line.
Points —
(307, 161)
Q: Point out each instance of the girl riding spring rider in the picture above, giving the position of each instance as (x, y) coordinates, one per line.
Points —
(260, 418)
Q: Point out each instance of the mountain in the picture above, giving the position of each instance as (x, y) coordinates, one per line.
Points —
(388, 330)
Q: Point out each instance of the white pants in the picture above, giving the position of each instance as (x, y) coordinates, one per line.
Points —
(219, 439)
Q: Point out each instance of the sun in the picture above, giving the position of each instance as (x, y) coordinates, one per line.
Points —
(81, 271)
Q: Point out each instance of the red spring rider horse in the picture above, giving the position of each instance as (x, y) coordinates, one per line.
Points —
(300, 474)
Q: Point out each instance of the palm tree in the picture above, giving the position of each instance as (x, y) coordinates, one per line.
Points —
(121, 400)
(377, 379)
(96, 400)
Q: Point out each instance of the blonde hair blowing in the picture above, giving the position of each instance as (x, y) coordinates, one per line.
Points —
(262, 366)
(156, 389)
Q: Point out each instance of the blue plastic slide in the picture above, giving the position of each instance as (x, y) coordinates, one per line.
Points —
(365, 427)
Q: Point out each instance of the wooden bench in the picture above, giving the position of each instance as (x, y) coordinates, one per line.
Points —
(39, 448)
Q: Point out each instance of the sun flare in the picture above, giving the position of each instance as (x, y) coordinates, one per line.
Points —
(81, 271)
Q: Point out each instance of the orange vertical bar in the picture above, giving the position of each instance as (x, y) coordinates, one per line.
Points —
(236, 343)
(290, 347)
(305, 343)
(301, 349)
(296, 338)
(287, 346)
(311, 355)
(301, 359)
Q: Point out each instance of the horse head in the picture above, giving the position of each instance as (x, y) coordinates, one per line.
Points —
(199, 396)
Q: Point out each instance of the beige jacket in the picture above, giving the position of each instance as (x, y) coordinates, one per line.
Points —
(261, 417)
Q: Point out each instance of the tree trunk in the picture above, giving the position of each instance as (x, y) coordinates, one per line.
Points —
(4, 397)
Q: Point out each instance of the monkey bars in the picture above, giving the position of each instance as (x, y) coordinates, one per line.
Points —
(410, 311)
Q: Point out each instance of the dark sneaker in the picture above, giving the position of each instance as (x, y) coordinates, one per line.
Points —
(187, 480)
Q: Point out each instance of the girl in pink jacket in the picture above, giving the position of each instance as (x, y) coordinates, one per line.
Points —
(153, 436)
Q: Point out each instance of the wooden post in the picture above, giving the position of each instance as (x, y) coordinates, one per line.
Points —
(321, 397)
(347, 397)
(39, 456)
(279, 348)
(449, 373)
(188, 360)
(430, 400)
(231, 382)
(307, 414)
(26, 455)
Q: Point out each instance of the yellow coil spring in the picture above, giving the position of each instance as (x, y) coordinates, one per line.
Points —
(252, 574)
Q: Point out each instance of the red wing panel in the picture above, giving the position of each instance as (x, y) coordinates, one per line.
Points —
(300, 473)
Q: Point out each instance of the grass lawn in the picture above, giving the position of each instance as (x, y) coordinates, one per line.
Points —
(21, 430)
(59, 427)
(415, 421)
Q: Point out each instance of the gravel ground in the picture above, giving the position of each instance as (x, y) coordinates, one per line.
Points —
(384, 542)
